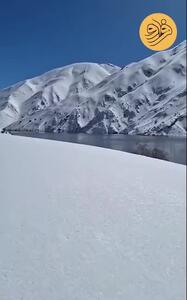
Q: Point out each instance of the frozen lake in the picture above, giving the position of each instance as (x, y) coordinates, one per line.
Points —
(162, 147)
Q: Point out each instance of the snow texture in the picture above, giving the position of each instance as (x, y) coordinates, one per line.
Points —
(85, 223)
(147, 97)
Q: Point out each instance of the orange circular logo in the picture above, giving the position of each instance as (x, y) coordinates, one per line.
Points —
(158, 32)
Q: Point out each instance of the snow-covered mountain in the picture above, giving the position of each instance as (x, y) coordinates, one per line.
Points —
(147, 97)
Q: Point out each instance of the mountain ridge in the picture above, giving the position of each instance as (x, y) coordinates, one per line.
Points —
(146, 97)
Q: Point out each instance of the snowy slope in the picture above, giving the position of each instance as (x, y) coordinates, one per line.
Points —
(107, 226)
(147, 97)
(49, 89)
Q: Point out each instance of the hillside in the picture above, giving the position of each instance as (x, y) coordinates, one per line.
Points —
(147, 97)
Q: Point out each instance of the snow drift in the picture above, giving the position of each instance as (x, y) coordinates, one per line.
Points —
(86, 223)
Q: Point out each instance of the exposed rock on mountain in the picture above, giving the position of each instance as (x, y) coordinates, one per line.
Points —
(147, 97)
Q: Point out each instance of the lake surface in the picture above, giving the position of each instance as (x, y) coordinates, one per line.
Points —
(162, 147)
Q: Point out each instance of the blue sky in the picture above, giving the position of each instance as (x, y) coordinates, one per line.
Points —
(36, 36)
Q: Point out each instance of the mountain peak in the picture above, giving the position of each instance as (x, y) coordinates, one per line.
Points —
(146, 97)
